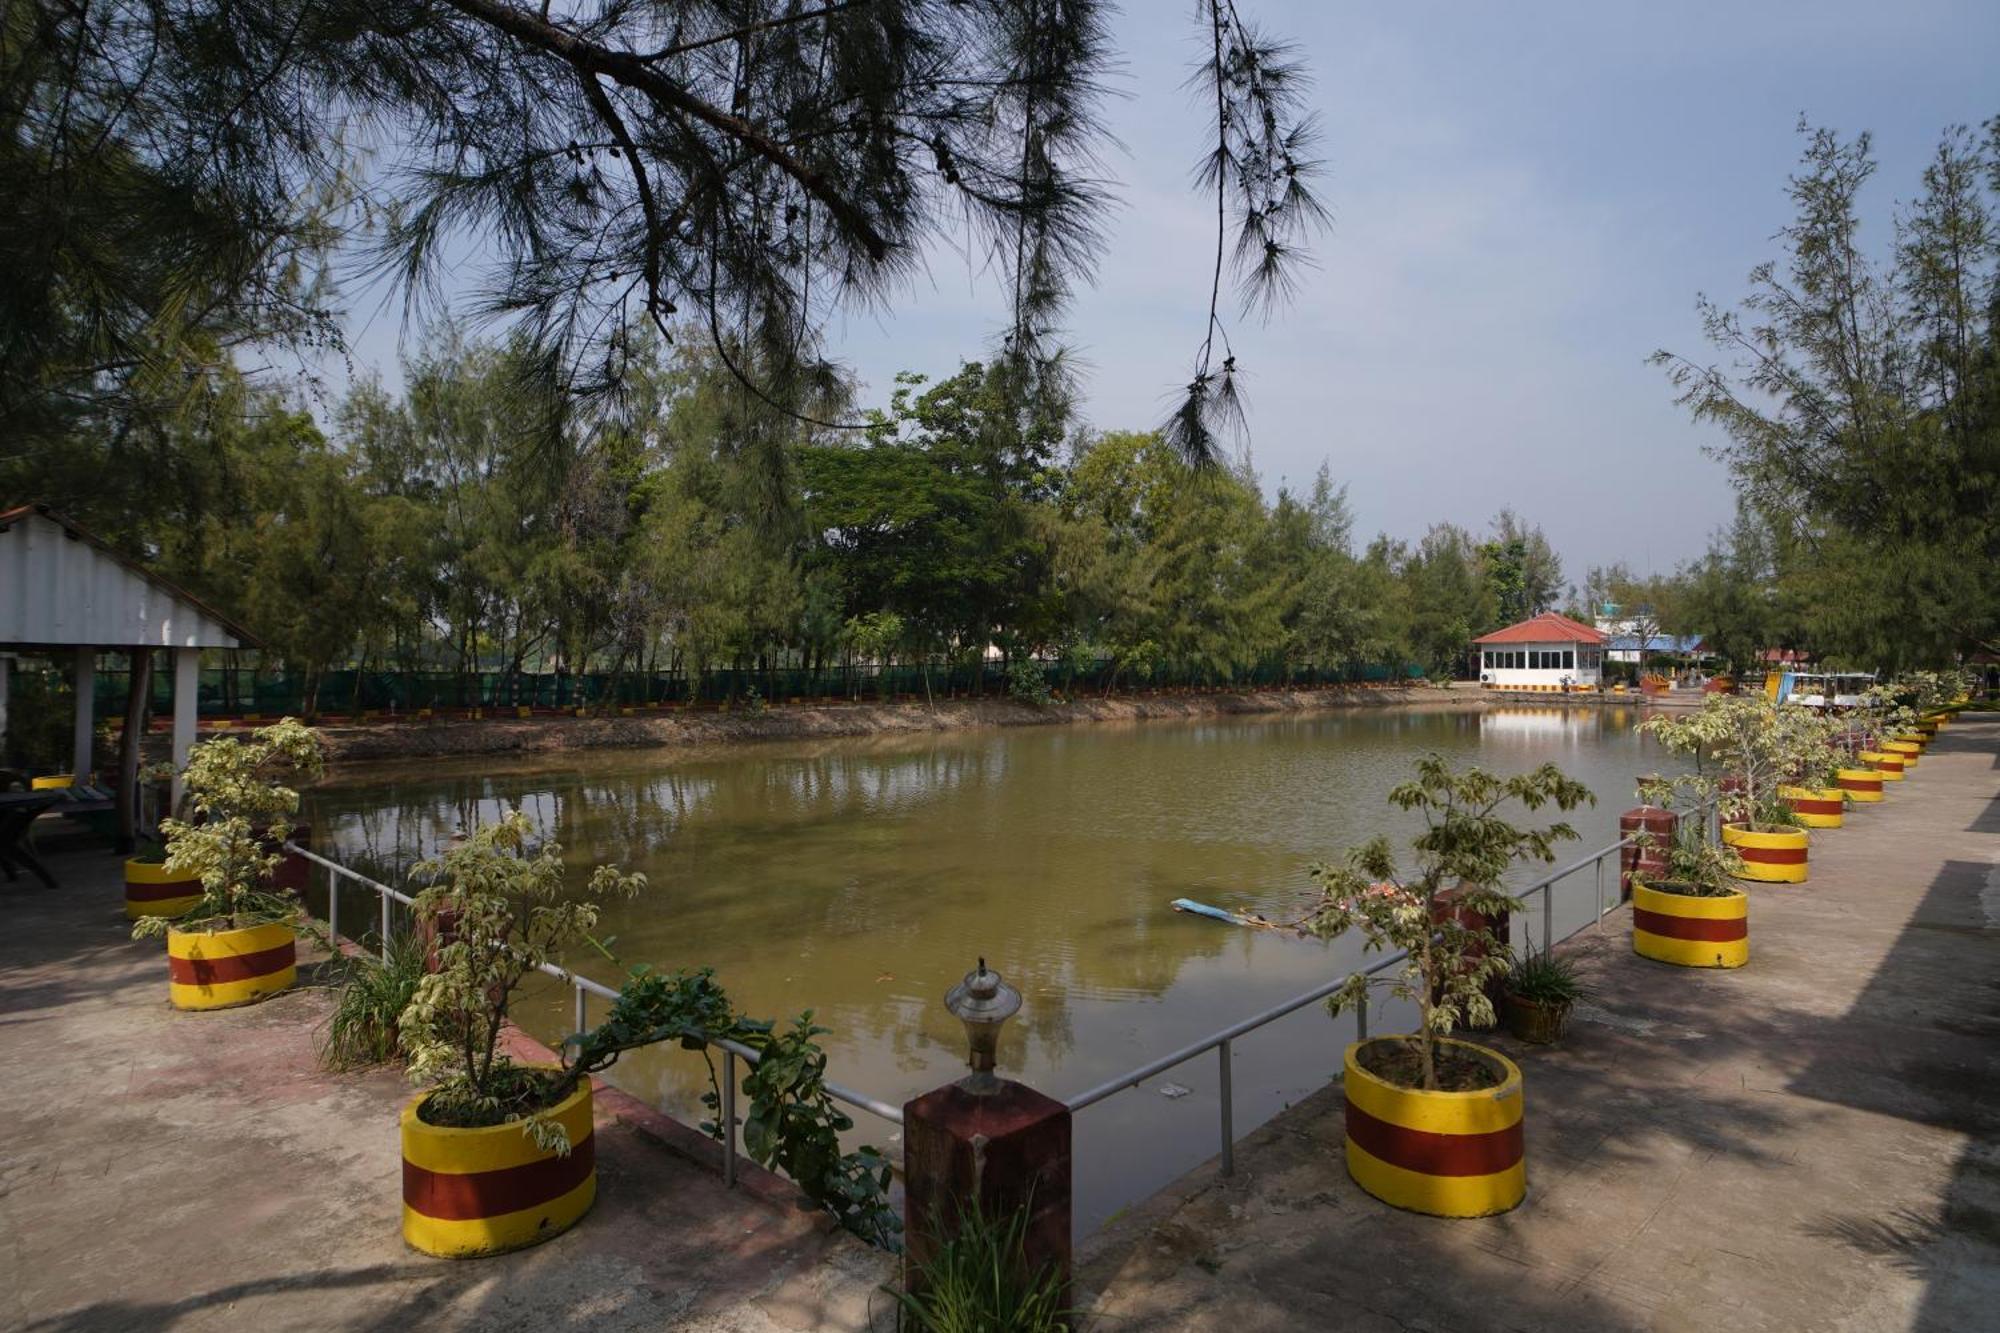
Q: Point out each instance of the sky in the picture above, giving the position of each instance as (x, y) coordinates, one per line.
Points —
(1527, 199)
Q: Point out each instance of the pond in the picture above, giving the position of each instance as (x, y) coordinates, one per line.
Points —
(862, 878)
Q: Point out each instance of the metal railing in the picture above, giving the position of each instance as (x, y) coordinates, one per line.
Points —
(581, 988)
(1221, 1042)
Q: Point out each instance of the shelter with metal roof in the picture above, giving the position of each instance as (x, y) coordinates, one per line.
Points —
(63, 590)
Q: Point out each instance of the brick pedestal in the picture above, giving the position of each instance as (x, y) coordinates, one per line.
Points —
(1008, 1150)
(1447, 907)
(1649, 862)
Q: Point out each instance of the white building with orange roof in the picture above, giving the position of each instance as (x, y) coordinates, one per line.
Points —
(1546, 652)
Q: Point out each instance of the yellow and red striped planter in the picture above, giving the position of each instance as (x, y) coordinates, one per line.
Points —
(1906, 750)
(1862, 785)
(1816, 807)
(468, 1192)
(1688, 931)
(1775, 856)
(223, 968)
(1449, 1154)
(152, 890)
(52, 782)
(1890, 766)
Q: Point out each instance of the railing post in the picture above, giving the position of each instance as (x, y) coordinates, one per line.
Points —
(386, 905)
(1548, 916)
(578, 1012)
(728, 1125)
(1598, 866)
(1361, 1018)
(1228, 1113)
(333, 906)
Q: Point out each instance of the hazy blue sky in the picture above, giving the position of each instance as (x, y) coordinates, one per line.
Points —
(1527, 198)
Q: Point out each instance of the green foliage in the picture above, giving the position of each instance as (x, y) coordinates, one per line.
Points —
(497, 910)
(373, 993)
(1546, 978)
(978, 1280)
(1757, 744)
(1464, 843)
(1028, 681)
(1861, 397)
(792, 1123)
(242, 813)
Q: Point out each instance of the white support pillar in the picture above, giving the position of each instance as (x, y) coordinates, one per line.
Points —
(187, 685)
(86, 730)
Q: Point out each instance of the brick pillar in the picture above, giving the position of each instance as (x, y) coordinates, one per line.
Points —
(1007, 1149)
(1650, 861)
(1446, 907)
(294, 872)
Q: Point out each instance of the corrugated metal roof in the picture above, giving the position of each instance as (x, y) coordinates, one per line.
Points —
(1655, 643)
(62, 587)
(1548, 627)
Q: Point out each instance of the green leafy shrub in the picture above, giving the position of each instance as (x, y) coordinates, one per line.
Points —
(1028, 682)
(979, 1281)
(373, 993)
(1464, 843)
(242, 811)
(1546, 978)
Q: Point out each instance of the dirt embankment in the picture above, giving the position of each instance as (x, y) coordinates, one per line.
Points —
(791, 721)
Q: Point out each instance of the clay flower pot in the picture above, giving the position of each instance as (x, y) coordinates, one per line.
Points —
(1534, 1022)
(220, 969)
(1689, 930)
(1771, 855)
(1450, 1154)
(470, 1192)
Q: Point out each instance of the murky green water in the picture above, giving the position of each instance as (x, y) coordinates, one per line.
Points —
(862, 878)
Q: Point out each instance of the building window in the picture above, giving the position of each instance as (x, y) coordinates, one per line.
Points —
(1569, 659)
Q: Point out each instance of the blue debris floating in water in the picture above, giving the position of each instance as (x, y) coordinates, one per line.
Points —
(1229, 918)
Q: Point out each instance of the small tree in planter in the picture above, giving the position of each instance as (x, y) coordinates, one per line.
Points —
(238, 941)
(495, 910)
(1752, 746)
(1428, 1081)
(1692, 916)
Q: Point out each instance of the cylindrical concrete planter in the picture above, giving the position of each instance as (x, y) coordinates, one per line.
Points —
(1770, 855)
(1450, 1154)
(1906, 750)
(1816, 807)
(151, 890)
(1862, 785)
(470, 1192)
(52, 782)
(224, 968)
(1689, 930)
(1890, 766)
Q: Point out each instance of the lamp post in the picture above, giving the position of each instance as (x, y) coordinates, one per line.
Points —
(983, 1002)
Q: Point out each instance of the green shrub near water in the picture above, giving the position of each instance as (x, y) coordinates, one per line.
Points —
(374, 991)
(1547, 979)
(978, 1281)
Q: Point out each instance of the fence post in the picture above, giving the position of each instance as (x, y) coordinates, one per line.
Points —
(728, 1125)
(1228, 1113)
(1548, 916)
(333, 906)
(385, 923)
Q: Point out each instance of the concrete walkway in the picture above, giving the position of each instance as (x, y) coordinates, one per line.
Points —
(1812, 1142)
(176, 1171)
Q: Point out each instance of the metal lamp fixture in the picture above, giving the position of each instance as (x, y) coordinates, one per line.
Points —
(984, 1003)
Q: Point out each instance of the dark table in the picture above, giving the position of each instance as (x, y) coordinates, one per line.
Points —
(18, 811)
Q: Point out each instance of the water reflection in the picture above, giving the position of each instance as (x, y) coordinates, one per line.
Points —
(861, 879)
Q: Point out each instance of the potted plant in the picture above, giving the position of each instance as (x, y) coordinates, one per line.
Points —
(1753, 745)
(153, 890)
(238, 942)
(1541, 989)
(1434, 1123)
(496, 1155)
(1691, 915)
(1814, 795)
